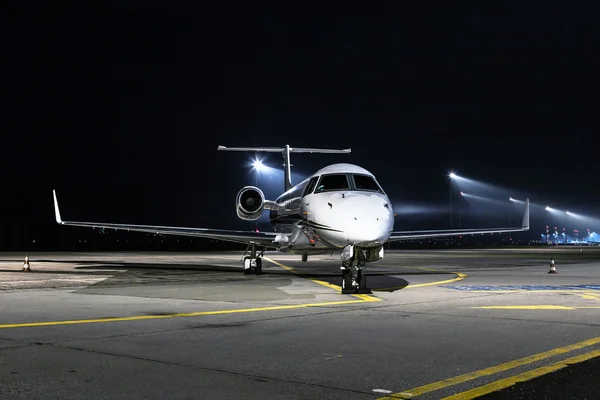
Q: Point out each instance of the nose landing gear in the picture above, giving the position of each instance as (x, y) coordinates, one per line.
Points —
(252, 261)
(353, 280)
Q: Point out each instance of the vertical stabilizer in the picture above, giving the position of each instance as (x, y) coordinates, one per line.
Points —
(287, 169)
(285, 151)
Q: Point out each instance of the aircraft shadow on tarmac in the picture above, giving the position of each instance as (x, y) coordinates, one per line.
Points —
(169, 272)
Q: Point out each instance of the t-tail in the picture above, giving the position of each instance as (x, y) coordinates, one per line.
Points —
(285, 151)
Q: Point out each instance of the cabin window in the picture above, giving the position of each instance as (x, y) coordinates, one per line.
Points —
(311, 185)
(365, 182)
(332, 182)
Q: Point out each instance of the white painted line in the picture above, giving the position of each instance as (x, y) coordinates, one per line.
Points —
(382, 391)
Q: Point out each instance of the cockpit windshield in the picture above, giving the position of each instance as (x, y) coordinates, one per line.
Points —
(333, 182)
(365, 182)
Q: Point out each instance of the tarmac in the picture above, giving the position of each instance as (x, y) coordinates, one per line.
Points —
(440, 324)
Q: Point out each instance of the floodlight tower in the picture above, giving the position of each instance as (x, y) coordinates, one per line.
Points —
(510, 201)
(452, 176)
(258, 166)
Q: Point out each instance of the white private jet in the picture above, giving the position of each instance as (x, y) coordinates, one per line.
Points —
(340, 208)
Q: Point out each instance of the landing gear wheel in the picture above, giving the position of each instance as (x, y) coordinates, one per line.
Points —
(362, 285)
(247, 266)
(258, 268)
(347, 287)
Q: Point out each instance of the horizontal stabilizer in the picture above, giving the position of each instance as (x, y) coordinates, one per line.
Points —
(285, 151)
(282, 149)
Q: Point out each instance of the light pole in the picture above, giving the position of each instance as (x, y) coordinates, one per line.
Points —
(451, 175)
(510, 201)
(257, 165)
(458, 203)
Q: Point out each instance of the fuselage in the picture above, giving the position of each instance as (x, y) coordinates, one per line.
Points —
(339, 205)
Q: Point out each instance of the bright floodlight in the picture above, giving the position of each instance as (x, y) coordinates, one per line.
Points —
(452, 175)
(511, 199)
(462, 193)
(258, 165)
(578, 216)
(548, 208)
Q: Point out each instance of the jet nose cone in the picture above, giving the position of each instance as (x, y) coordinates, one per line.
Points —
(369, 220)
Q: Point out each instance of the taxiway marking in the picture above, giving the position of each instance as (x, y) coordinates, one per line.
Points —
(526, 376)
(459, 277)
(589, 296)
(408, 394)
(361, 298)
(178, 315)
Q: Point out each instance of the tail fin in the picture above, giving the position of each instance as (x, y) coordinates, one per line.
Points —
(286, 156)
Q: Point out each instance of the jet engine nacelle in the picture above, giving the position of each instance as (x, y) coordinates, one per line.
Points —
(250, 203)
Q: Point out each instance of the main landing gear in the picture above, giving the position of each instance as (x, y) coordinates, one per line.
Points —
(252, 261)
(353, 280)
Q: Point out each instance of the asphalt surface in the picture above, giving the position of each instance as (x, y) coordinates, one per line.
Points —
(468, 323)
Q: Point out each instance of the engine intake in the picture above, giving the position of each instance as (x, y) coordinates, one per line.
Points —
(250, 203)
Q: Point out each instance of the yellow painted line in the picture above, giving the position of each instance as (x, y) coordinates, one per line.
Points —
(178, 315)
(327, 284)
(589, 296)
(388, 289)
(507, 382)
(363, 297)
(459, 277)
(407, 394)
(280, 264)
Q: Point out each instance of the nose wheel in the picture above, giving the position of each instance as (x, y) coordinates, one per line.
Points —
(252, 266)
(253, 261)
(353, 280)
(354, 284)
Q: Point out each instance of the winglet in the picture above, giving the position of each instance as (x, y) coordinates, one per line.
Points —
(525, 224)
(56, 210)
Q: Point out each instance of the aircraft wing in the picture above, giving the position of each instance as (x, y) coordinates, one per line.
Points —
(261, 238)
(407, 235)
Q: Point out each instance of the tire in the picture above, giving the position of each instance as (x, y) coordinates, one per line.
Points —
(258, 268)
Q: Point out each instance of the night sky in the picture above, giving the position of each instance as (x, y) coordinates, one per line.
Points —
(121, 109)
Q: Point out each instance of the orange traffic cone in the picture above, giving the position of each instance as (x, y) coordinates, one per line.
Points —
(26, 267)
(552, 267)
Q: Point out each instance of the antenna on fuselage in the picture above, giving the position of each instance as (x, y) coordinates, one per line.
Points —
(285, 151)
